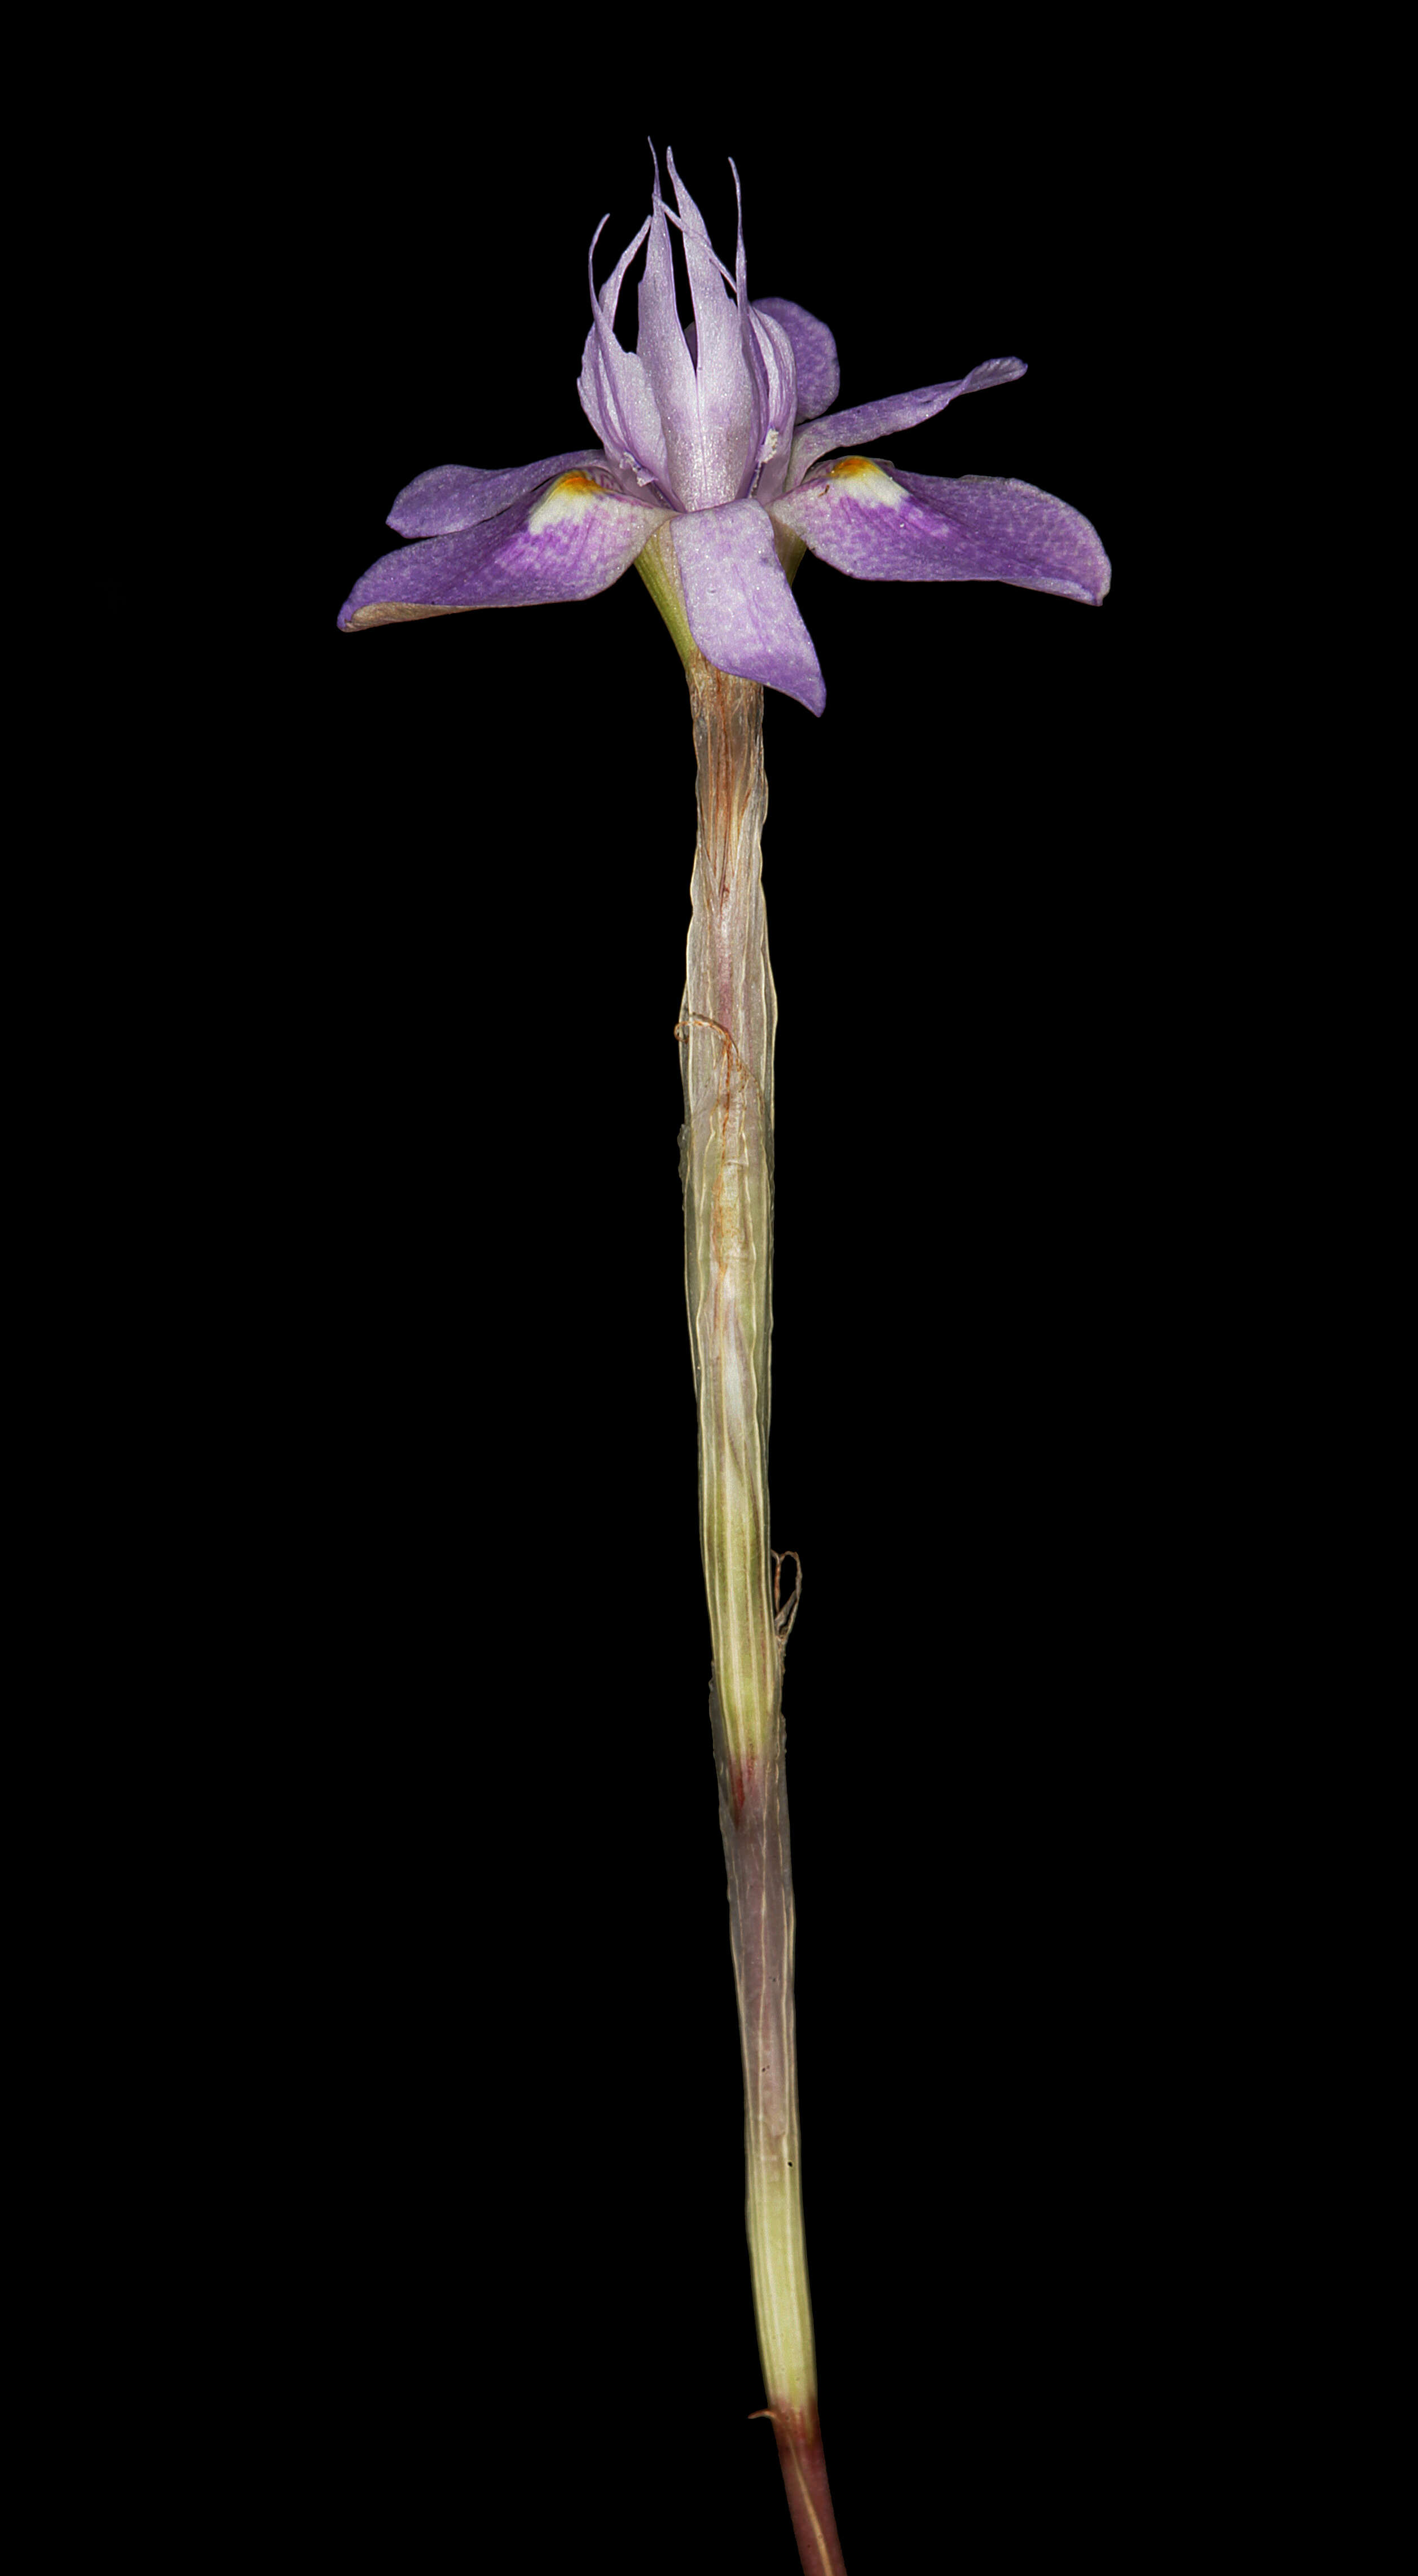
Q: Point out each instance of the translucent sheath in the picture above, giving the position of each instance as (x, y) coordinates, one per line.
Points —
(726, 1030)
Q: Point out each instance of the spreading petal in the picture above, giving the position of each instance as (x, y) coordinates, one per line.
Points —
(576, 539)
(449, 497)
(814, 353)
(920, 527)
(742, 615)
(896, 411)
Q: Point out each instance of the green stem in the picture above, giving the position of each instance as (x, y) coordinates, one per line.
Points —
(726, 1028)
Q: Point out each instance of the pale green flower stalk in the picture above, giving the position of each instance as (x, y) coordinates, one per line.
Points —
(726, 1027)
(720, 462)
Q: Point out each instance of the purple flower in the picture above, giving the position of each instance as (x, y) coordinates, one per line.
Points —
(721, 435)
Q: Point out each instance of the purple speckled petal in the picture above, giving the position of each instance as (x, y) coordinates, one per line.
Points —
(576, 539)
(814, 351)
(754, 349)
(775, 352)
(896, 411)
(723, 385)
(615, 391)
(669, 368)
(921, 527)
(449, 497)
(742, 615)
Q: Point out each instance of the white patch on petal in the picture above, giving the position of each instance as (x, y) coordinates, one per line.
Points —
(865, 481)
(569, 499)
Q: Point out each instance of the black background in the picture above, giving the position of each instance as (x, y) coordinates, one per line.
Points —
(498, 2131)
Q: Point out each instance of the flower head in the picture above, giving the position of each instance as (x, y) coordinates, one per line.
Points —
(718, 465)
